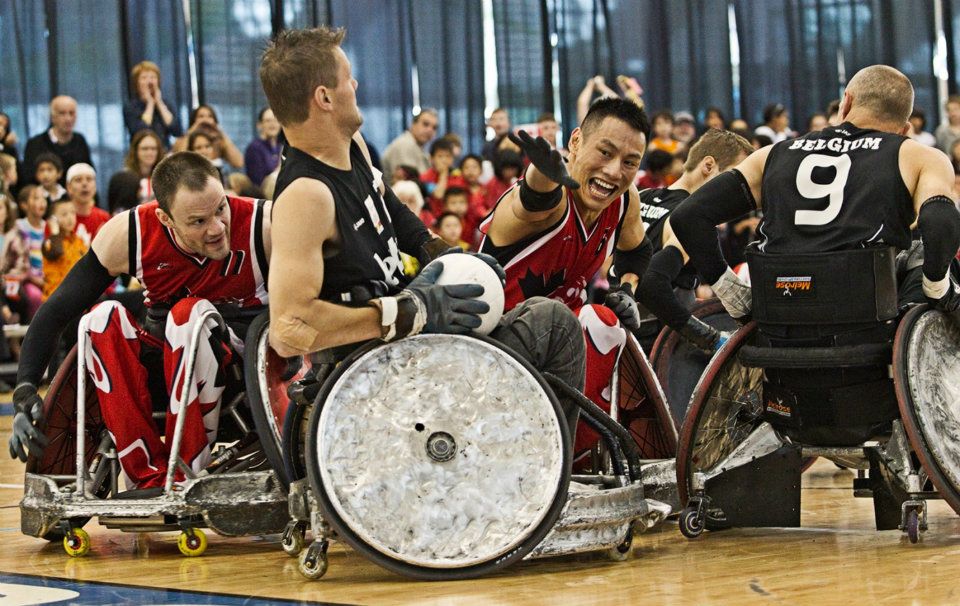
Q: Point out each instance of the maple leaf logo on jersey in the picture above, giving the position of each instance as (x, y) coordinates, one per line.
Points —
(538, 285)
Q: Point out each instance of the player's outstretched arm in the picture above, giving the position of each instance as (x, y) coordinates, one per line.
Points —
(86, 282)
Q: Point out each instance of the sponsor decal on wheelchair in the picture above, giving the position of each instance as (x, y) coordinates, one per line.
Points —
(778, 407)
(794, 286)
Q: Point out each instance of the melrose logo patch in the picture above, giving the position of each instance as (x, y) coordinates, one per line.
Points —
(792, 286)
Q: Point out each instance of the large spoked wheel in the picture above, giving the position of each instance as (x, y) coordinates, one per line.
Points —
(59, 425)
(726, 408)
(642, 406)
(926, 376)
(439, 457)
(267, 377)
(678, 364)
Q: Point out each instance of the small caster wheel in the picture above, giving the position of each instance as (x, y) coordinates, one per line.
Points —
(624, 550)
(691, 523)
(293, 538)
(192, 542)
(912, 526)
(313, 560)
(76, 542)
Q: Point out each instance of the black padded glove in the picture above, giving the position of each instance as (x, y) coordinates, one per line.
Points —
(26, 435)
(701, 334)
(621, 301)
(547, 160)
(447, 309)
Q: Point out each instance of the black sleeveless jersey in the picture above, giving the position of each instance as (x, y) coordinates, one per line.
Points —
(655, 207)
(368, 242)
(835, 189)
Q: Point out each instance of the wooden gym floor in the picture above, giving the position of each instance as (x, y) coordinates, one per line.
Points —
(836, 558)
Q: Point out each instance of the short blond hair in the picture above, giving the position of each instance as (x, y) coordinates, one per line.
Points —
(144, 66)
(723, 145)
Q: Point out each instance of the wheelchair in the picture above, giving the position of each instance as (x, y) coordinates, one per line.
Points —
(444, 457)
(874, 391)
(78, 476)
(678, 364)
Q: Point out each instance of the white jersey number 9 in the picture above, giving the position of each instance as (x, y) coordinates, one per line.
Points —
(817, 191)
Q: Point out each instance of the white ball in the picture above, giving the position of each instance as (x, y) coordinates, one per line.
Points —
(468, 269)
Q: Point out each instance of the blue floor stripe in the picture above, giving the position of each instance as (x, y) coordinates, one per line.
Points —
(6, 408)
(16, 588)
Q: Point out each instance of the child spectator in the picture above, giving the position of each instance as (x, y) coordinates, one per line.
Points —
(8, 175)
(506, 171)
(471, 168)
(404, 173)
(82, 188)
(22, 258)
(449, 228)
(63, 248)
(440, 175)
(663, 133)
(48, 173)
(456, 201)
(659, 164)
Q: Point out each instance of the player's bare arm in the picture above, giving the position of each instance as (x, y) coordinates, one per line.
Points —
(112, 244)
(305, 224)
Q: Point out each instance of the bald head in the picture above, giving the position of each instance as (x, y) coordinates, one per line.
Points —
(881, 92)
(63, 115)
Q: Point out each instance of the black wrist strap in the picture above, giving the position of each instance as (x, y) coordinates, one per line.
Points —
(538, 202)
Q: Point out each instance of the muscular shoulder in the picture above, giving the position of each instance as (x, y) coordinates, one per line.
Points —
(305, 203)
(112, 244)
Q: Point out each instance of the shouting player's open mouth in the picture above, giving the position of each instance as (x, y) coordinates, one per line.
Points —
(600, 189)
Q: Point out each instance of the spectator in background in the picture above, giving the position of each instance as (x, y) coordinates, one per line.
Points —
(240, 185)
(594, 86)
(547, 127)
(739, 124)
(449, 227)
(82, 188)
(948, 133)
(440, 175)
(456, 144)
(8, 138)
(8, 177)
(22, 259)
(758, 141)
(48, 173)
(776, 123)
(499, 124)
(407, 149)
(833, 113)
(663, 133)
(146, 110)
(262, 156)
(918, 125)
(471, 167)
(817, 121)
(659, 164)
(456, 201)
(63, 247)
(404, 173)
(123, 192)
(506, 171)
(60, 139)
(684, 129)
(409, 193)
(715, 119)
(202, 140)
(225, 152)
(146, 150)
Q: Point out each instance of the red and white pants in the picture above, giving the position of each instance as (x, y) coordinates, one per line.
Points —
(113, 360)
(605, 339)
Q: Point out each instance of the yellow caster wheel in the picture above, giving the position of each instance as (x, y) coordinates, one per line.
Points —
(192, 542)
(76, 542)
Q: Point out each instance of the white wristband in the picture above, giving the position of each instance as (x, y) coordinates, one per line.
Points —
(936, 289)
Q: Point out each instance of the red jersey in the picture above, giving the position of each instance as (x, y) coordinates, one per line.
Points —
(168, 272)
(89, 225)
(559, 262)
